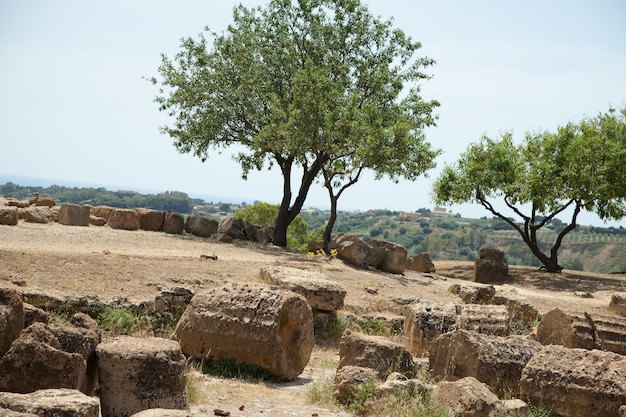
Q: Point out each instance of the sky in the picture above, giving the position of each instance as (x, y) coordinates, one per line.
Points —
(76, 109)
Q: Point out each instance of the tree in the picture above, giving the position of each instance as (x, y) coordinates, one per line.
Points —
(297, 85)
(579, 167)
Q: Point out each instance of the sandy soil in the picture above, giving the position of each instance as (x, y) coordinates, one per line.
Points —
(108, 263)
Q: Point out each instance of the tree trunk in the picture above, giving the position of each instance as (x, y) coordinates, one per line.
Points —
(328, 230)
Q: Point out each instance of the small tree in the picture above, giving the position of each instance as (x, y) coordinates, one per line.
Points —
(288, 83)
(579, 167)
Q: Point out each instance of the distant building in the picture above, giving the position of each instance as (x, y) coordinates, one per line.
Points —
(442, 211)
(410, 216)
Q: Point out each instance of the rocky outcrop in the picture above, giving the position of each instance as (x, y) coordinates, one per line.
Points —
(257, 324)
(141, 373)
(36, 361)
(576, 382)
(582, 330)
(351, 249)
(320, 292)
(388, 256)
(420, 263)
(374, 352)
(173, 223)
(491, 266)
(424, 322)
(200, 226)
(467, 397)
(51, 403)
(11, 318)
(74, 215)
(496, 361)
(124, 219)
(9, 216)
(150, 220)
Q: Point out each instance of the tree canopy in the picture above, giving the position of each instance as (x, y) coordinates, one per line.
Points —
(307, 84)
(578, 167)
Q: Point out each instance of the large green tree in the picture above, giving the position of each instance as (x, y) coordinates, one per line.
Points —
(578, 167)
(297, 84)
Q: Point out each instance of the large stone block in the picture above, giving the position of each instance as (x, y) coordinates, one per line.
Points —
(491, 266)
(200, 226)
(486, 319)
(420, 263)
(260, 325)
(173, 223)
(374, 352)
(426, 321)
(11, 318)
(124, 219)
(9, 215)
(388, 256)
(576, 382)
(150, 220)
(139, 374)
(466, 397)
(522, 314)
(37, 214)
(494, 360)
(320, 292)
(351, 249)
(74, 215)
(51, 403)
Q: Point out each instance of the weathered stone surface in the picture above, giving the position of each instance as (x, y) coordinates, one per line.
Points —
(349, 379)
(173, 223)
(36, 361)
(374, 352)
(582, 330)
(52, 403)
(37, 214)
(351, 249)
(150, 220)
(200, 226)
(81, 335)
(486, 319)
(320, 292)
(74, 215)
(9, 216)
(235, 228)
(474, 293)
(576, 382)
(420, 263)
(622, 411)
(124, 219)
(264, 234)
(139, 374)
(5, 412)
(426, 321)
(257, 324)
(388, 256)
(467, 397)
(11, 318)
(221, 237)
(102, 211)
(45, 202)
(618, 303)
(491, 266)
(496, 361)
(34, 314)
(163, 412)
(522, 313)
(97, 221)
(172, 297)
(396, 383)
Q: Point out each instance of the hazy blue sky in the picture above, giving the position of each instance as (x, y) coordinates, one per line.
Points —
(74, 107)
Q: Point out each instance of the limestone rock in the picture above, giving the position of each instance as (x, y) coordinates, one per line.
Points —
(260, 325)
(37, 361)
(102, 211)
(388, 256)
(11, 318)
(150, 220)
(351, 249)
(396, 383)
(576, 382)
(491, 266)
(487, 319)
(9, 216)
(163, 412)
(45, 202)
(200, 226)
(320, 292)
(74, 215)
(141, 373)
(124, 219)
(52, 403)
(172, 297)
(374, 352)
(235, 228)
(467, 397)
(522, 313)
(494, 360)
(37, 214)
(618, 303)
(349, 379)
(420, 263)
(173, 223)
(34, 314)
(424, 322)
(97, 221)
(474, 293)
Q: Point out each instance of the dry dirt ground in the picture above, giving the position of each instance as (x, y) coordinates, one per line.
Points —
(136, 264)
